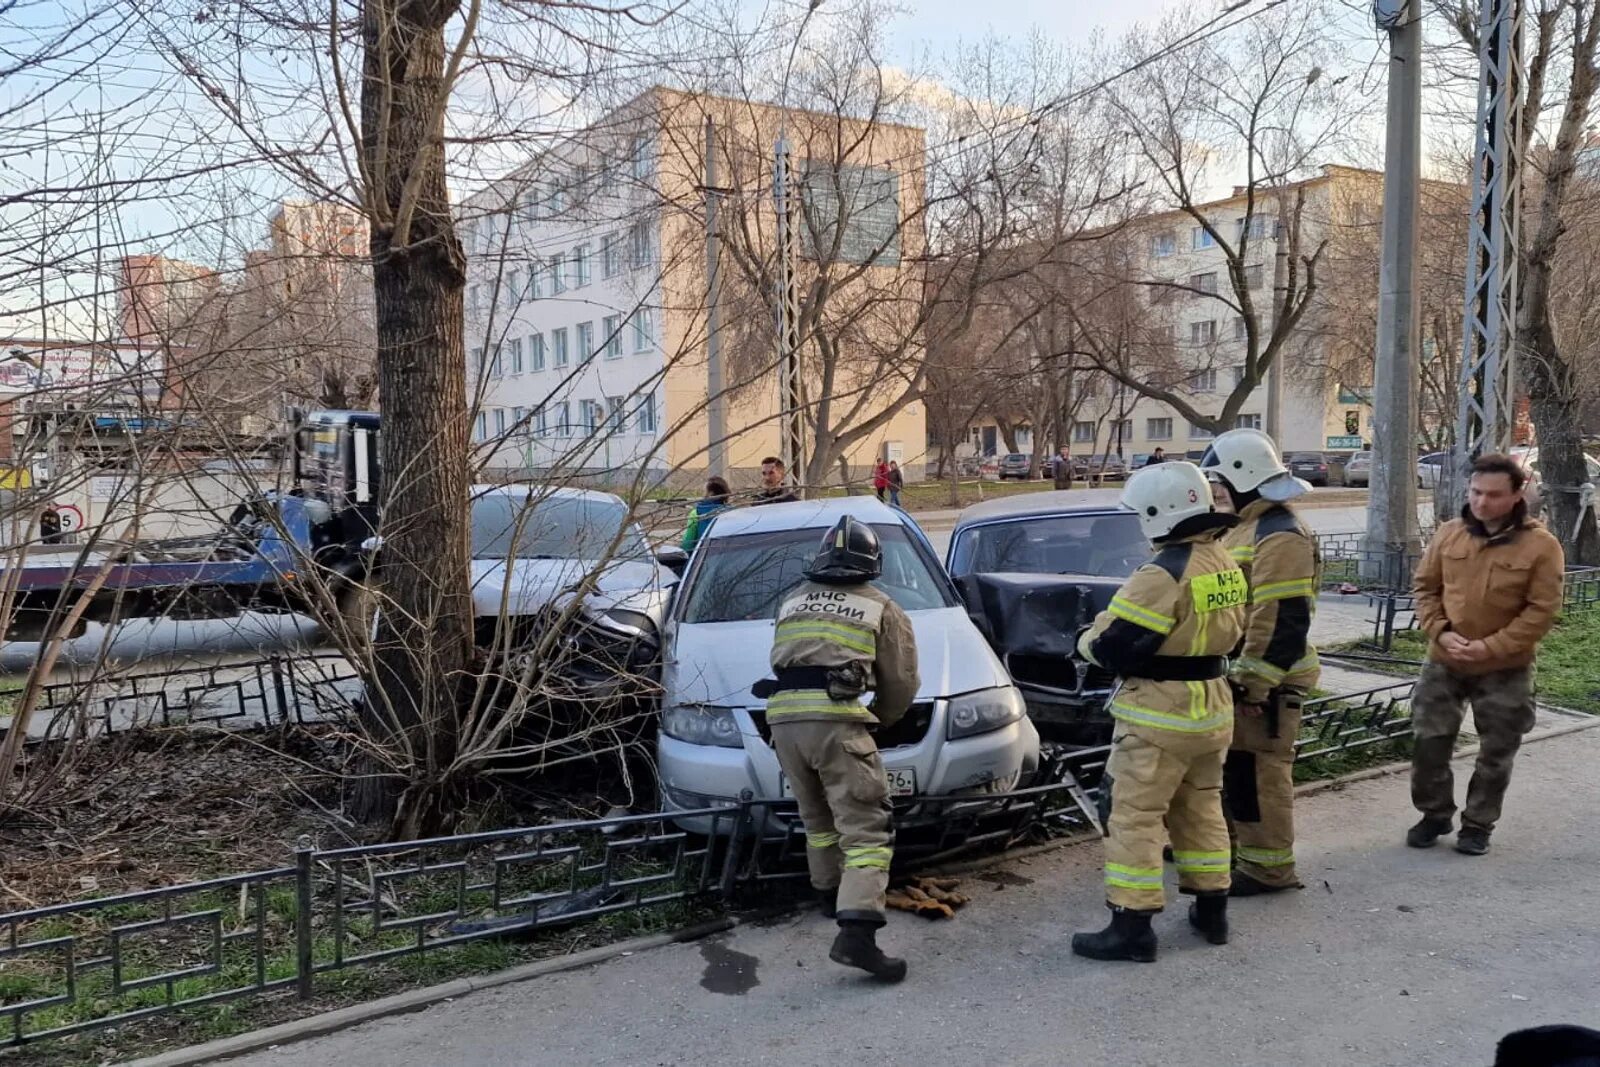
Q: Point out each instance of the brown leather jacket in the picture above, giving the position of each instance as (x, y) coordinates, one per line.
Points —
(1503, 589)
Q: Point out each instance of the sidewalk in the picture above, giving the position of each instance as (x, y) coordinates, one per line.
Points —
(1389, 956)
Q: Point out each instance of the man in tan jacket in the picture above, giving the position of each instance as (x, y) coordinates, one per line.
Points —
(1487, 591)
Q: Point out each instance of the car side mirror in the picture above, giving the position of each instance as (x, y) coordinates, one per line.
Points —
(673, 558)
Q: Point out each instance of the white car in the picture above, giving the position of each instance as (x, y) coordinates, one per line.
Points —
(967, 732)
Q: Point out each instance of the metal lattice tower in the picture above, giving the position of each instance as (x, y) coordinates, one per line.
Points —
(790, 399)
(1488, 359)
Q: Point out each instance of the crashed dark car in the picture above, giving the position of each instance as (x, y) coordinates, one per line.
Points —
(1033, 571)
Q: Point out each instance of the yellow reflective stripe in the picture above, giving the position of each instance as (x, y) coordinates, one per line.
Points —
(1266, 857)
(813, 702)
(1284, 590)
(1166, 720)
(1243, 553)
(1260, 668)
(868, 857)
(1306, 662)
(1197, 699)
(1128, 611)
(1124, 877)
(853, 638)
(1201, 862)
(821, 840)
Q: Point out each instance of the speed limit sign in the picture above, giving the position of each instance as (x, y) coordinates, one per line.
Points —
(71, 517)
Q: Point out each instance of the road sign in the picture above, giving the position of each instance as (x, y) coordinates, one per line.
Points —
(1351, 442)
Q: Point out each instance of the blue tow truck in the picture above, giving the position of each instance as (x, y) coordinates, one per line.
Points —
(271, 555)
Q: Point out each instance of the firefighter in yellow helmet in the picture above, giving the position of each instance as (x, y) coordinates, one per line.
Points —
(1167, 634)
(1276, 666)
(838, 637)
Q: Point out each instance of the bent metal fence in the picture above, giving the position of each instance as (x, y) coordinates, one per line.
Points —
(283, 932)
(1395, 611)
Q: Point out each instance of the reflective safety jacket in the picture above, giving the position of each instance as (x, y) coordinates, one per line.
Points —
(822, 626)
(1168, 632)
(1278, 554)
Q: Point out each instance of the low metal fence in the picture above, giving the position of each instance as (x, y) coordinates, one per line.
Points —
(96, 963)
(1395, 611)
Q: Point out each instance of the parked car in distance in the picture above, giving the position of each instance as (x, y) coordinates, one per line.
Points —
(1312, 466)
(1533, 489)
(1429, 469)
(1033, 572)
(1015, 465)
(1358, 471)
(1099, 468)
(967, 733)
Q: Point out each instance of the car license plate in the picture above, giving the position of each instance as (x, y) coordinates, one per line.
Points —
(902, 782)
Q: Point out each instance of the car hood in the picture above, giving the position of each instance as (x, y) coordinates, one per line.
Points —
(717, 663)
(1035, 614)
(532, 584)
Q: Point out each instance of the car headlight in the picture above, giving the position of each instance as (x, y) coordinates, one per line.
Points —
(702, 725)
(985, 710)
(632, 623)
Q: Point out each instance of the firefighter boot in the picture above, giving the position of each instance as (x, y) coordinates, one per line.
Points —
(828, 902)
(857, 946)
(1209, 915)
(1129, 937)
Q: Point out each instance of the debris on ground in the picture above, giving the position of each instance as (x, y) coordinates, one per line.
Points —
(932, 898)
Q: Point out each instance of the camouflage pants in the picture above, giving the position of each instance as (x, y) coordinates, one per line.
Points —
(1502, 712)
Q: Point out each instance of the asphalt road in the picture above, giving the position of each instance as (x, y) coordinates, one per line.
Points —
(1390, 956)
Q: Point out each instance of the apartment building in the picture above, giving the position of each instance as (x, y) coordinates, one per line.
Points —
(586, 300)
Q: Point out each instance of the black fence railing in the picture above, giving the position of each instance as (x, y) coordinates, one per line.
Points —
(1395, 610)
(96, 963)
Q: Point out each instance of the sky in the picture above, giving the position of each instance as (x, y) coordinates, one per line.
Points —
(939, 25)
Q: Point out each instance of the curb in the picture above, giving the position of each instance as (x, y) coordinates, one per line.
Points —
(416, 999)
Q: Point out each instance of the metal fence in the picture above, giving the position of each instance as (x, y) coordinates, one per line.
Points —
(1395, 611)
(75, 967)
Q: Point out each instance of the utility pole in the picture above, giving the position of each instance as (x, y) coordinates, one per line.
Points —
(1392, 510)
(1488, 357)
(789, 399)
(1280, 297)
(716, 410)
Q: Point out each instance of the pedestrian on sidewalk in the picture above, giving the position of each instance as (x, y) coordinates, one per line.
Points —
(1275, 667)
(773, 490)
(1167, 635)
(897, 482)
(837, 638)
(880, 479)
(1487, 591)
(702, 511)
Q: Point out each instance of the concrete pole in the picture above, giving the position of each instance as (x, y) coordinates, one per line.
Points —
(716, 410)
(1280, 297)
(1392, 513)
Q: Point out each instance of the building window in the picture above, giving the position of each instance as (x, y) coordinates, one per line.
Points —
(1352, 423)
(639, 159)
(1164, 244)
(1252, 276)
(1200, 238)
(1203, 332)
(639, 245)
(647, 413)
(1158, 429)
(1199, 433)
(499, 422)
(1161, 290)
(535, 280)
(541, 421)
(1240, 330)
(558, 345)
(477, 362)
(480, 426)
(1203, 284)
(557, 198)
(580, 266)
(1083, 433)
(497, 366)
(514, 286)
(1204, 381)
(475, 299)
(1122, 430)
(1247, 422)
(1255, 227)
(610, 256)
(558, 275)
(563, 419)
(586, 350)
(592, 414)
(536, 351)
(1238, 377)
(519, 422)
(619, 415)
(611, 326)
(516, 355)
(642, 332)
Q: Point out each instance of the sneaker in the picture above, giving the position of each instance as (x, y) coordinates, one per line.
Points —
(1428, 831)
(1472, 842)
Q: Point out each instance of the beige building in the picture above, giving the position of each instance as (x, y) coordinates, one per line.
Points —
(587, 321)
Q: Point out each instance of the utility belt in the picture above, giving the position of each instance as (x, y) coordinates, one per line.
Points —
(1183, 668)
(845, 682)
(1272, 707)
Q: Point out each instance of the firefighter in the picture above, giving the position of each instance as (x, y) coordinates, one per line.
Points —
(1167, 634)
(838, 637)
(1276, 666)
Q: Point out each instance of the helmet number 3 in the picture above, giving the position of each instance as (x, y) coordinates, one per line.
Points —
(1194, 497)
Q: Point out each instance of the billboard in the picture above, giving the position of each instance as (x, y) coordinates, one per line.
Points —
(31, 368)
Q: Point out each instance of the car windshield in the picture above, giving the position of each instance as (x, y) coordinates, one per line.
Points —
(508, 525)
(1361, 457)
(1103, 545)
(1306, 457)
(1017, 457)
(745, 577)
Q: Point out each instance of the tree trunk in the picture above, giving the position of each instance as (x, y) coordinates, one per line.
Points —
(424, 647)
(1561, 464)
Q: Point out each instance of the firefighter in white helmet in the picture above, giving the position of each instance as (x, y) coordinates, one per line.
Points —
(1167, 634)
(1275, 666)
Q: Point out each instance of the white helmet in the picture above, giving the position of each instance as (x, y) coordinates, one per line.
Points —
(1244, 459)
(1164, 495)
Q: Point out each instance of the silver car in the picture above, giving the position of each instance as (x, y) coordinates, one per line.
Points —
(966, 734)
(1358, 472)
